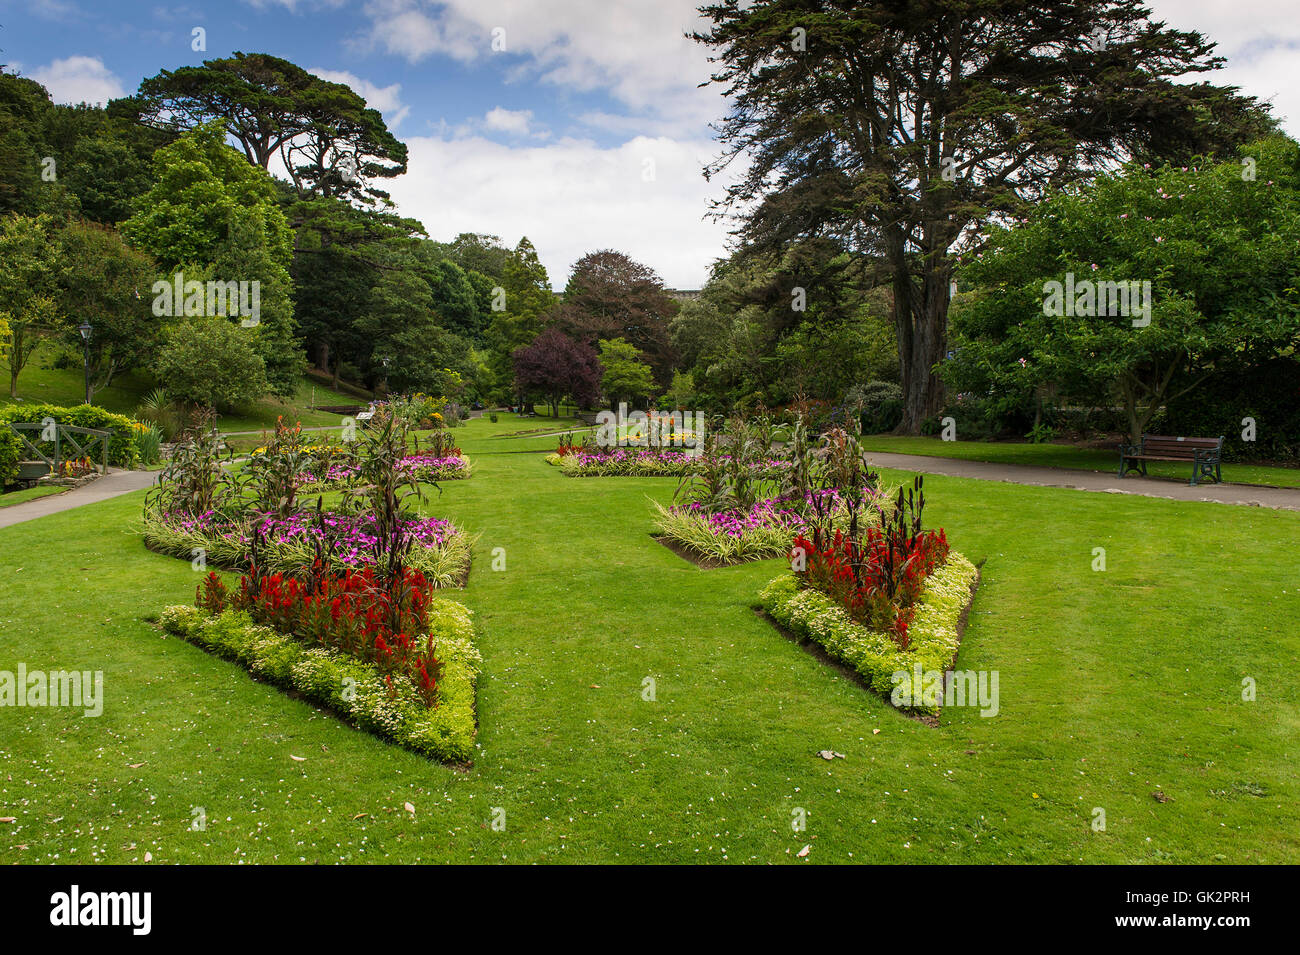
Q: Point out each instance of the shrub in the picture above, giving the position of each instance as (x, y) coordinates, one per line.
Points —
(211, 362)
(880, 404)
(875, 655)
(10, 454)
(356, 690)
(123, 451)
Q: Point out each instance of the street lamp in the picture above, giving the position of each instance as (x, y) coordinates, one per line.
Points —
(84, 328)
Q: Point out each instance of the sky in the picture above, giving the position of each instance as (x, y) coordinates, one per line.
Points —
(578, 123)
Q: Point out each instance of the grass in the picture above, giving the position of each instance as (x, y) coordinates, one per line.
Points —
(1113, 685)
(28, 494)
(65, 386)
(1068, 456)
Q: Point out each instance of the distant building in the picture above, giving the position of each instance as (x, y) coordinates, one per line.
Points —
(683, 294)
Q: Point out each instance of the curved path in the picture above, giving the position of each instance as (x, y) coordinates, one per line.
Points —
(1283, 498)
(114, 483)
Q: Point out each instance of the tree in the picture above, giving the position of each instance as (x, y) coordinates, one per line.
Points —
(1139, 287)
(626, 377)
(556, 366)
(609, 295)
(210, 214)
(210, 362)
(410, 349)
(107, 283)
(519, 297)
(904, 128)
(330, 142)
(29, 249)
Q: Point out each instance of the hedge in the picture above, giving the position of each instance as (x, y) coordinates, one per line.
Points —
(123, 452)
(355, 690)
(811, 615)
(10, 454)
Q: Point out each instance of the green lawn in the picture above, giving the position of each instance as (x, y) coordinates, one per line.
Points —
(1067, 456)
(1113, 686)
(28, 494)
(66, 387)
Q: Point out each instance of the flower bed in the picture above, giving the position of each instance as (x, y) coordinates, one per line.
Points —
(439, 550)
(423, 468)
(934, 633)
(763, 531)
(360, 691)
(644, 462)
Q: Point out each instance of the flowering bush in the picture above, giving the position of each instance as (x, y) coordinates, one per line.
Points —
(761, 531)
(379, 620)
(423, 468)
(933, 635)
(439, 549)
(875, 573)
(647, 462)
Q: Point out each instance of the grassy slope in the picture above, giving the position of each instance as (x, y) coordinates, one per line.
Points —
(1066, 456)
(66, 387)
(1113, 685)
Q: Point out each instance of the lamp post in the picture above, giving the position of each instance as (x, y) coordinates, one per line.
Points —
(84, 328)
(385, 361)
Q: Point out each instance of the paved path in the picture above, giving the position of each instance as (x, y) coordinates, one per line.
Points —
(1284, 498)
(113, 484)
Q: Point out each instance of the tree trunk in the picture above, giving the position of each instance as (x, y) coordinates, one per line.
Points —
(922, 323)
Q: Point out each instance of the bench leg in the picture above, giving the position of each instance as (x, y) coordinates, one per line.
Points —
(1195, 467)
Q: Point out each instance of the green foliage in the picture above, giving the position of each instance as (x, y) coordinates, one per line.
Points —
(356, 691)
(107, 283)
(879, 403)
(210, 362)
(212, 215)
(1217, 247)
(811, 615)
(29, 249)
(123, 451)
(625, 376)
(10, 454)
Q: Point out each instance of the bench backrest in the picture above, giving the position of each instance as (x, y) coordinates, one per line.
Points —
(1170, 446)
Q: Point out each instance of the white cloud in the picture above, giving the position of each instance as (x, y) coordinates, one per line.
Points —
(638, 53)
(79, 79)
(571, 197)
(386, 99)
(1260, 39)
(516, 121)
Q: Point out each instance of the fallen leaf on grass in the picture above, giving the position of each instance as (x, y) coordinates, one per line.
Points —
(148, 857)
(300, 759)
(409, 808)
(134, 765)
(829, 754)
(803, 853)
(8, 819)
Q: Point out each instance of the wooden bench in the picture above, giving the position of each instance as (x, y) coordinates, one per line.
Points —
(1202, 453)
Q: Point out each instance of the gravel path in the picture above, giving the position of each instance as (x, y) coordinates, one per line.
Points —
(113, 484)
(1283, 498)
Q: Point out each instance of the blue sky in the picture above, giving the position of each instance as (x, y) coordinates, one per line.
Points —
(587, 131)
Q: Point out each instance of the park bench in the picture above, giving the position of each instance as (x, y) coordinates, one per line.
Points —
(1202, 453)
